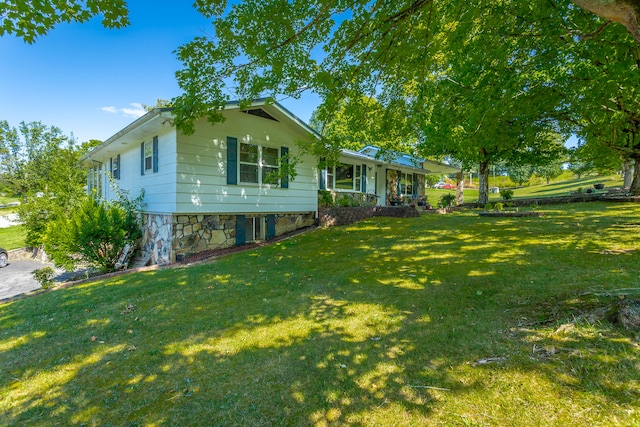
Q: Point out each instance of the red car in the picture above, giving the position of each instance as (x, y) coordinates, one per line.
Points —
(444, 186)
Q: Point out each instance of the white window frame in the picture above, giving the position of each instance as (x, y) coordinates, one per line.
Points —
(255, 228)
(356, 178)
(115, 167)
(406, 183)
(94, 180)
(262, 168)
(148, 148)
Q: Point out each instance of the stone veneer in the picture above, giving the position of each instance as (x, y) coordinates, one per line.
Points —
(167, 237)
(157, 230)
(330, 217)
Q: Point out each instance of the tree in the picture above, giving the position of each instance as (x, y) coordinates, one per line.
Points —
(397, 52)
(40, 164)
(28, 20)
(27, 152)
(602, 90)
(387, 61)
(625, 12)
(520, 174)
(550, 171)
(271, 47)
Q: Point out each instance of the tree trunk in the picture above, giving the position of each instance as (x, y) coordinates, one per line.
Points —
(627, 173)
(483, 185)
(459, 188)
(635, 185)
(624, 12)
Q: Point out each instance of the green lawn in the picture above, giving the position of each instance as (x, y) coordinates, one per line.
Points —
(12, 237)
(558, 188)
(446, 320)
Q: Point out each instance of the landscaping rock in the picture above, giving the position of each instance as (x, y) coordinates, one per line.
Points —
(628, 314)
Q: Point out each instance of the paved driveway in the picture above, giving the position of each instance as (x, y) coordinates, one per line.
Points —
(16, 278)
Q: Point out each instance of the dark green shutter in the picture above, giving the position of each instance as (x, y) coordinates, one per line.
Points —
(363, 185)
(415, 185)
(271, 226)
(155, 154)
(142, 159)
(119, 166)
(232, 160)
(399, 183)
(241, 230)
(284, 153)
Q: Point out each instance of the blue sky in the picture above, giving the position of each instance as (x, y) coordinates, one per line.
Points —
(91, 81)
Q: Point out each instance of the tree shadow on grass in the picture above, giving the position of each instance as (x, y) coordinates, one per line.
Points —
(374, 323)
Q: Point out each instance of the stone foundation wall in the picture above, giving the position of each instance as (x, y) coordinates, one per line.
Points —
(286, 223)
(197, 233)
(329, 217)
(167, 238)
(157, 232)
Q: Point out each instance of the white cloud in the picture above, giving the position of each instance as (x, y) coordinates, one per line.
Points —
(136, 110)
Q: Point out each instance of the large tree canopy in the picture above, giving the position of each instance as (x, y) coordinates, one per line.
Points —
(474, 80)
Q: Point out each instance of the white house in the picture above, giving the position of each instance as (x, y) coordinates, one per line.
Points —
(214, 188)
(224, 185)
(379, 175)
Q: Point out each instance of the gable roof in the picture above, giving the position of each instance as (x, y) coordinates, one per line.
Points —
(155, 120)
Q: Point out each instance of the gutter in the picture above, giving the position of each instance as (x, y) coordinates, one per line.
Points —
(127, 129)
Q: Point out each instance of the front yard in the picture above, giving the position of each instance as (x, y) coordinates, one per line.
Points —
(438, 320)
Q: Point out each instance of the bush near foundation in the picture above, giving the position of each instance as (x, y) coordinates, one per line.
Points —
(97, 234)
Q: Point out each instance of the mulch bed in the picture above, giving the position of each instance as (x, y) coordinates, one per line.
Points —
(507, 214)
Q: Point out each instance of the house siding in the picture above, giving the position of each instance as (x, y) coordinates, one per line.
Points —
(158, 186)
(202, 170)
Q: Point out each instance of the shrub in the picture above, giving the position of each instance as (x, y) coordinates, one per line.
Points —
(344, 201)
(498, 206)
(44, 276)
(325, 199)
(488, 207)
(506, 194)
(97, 233)
(447, 200)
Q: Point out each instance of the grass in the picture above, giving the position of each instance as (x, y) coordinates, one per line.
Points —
(556, 188)
(438, 320)
(12, 237)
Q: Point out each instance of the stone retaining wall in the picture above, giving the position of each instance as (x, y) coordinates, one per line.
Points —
(329, 217)
(559, 200)
(28, 253)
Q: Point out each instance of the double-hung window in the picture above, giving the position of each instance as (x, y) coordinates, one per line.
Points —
(345, 177)
(149, 156)
(115, 167)
(406, 184)
(258, 164)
